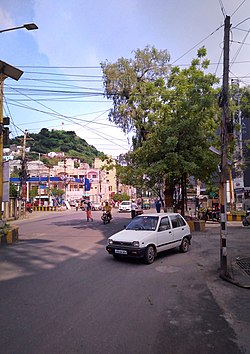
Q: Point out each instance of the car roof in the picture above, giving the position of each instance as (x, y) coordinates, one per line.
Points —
(158, 214)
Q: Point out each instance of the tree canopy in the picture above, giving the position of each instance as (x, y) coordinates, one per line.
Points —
(173, 115)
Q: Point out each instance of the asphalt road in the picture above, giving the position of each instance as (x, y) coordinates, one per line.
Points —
(62, 293)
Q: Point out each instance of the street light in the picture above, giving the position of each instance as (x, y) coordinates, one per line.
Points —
(28, 26)
(6, 70)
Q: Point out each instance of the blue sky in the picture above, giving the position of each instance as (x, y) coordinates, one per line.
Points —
(61, 87)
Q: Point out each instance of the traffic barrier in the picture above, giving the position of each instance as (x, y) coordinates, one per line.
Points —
(10, 236)
(44, 208)
(232, 217)
(196, 225)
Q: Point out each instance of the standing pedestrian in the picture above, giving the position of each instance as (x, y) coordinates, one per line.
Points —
(133, 208)
(76, 205)
(158, 206)
(88, 211)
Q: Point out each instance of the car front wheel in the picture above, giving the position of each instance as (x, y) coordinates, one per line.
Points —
(149, 256)
(184, 247)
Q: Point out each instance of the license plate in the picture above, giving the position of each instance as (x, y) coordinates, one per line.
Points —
(121, 251)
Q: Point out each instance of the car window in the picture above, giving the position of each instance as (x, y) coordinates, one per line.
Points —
(148, 223)
(177, 221)
(125, 203)
(165, 224)
(180, 220)
(174, 221)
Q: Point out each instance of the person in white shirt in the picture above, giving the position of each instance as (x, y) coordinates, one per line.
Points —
(133, 208)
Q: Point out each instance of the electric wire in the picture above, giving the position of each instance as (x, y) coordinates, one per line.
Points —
(222, 8)
(196, 45)
(238, 8)
(70, 120)
(238, 51)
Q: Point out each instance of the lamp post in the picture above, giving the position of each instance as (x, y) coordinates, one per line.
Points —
(6, 71)
(28, 26)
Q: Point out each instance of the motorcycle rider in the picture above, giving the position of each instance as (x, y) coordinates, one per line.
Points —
(29, 207)
(107, 208)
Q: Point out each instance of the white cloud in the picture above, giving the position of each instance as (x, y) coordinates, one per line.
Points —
(5, 19)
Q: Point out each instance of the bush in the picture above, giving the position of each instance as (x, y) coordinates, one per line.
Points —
(120, 197)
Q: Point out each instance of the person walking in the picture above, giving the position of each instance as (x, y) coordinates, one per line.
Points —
(158, 206)
(88, 211)
(133, 208)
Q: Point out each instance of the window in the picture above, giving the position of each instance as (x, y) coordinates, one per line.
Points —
(174, 221)
(181, 221)
(164, 225)
(177, 221)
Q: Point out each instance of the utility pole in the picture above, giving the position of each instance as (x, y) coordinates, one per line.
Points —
(224, 144)
(23, 174)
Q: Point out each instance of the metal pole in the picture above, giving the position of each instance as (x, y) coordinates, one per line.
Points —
(224, 142)
(2, 77)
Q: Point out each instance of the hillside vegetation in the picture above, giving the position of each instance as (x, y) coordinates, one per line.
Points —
(60, 141)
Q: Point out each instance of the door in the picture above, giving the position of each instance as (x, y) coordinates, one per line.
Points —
(165, 236)
(179, 228)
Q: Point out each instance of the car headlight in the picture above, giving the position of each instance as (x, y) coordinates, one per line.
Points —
(110, 241)
(135, 243)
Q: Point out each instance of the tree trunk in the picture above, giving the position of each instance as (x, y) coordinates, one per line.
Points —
(183, 193)
(168, 193)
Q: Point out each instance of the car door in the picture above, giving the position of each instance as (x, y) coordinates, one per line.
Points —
(165, 237)
(179, 228)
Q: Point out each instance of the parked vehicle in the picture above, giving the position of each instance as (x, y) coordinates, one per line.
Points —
(149, 234)
(106, 217)
(41, 200)
(145, 203)
(246, 219)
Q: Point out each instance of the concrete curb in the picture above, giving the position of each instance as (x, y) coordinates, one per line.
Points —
(236, 275)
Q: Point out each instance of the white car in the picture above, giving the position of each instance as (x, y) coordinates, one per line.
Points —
(125, 206)
(96, 206)
(149, 234)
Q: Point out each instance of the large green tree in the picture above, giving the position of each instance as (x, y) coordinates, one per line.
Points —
(174, 119)
(127, 78)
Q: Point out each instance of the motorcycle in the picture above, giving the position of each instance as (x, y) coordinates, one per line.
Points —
(246, 219)
(106, 217)
(29, 208)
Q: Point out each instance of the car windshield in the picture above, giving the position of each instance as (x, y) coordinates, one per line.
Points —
(143, 223)
(125, 203)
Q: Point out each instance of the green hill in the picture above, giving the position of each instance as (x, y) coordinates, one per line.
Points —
(60, 141)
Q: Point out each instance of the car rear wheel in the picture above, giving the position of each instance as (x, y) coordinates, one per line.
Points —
(149, 256)
(184, 247)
